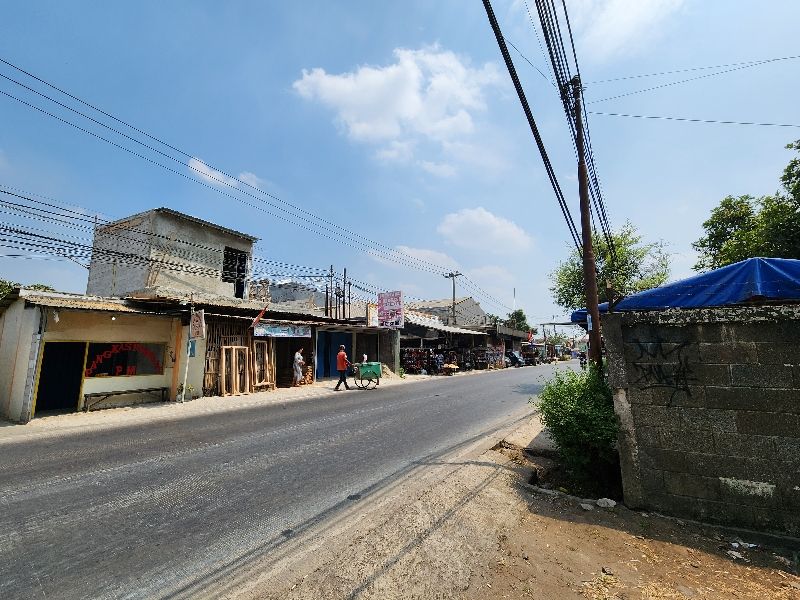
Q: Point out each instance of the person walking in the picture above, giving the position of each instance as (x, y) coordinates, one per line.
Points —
(341, 365)
(298, 367)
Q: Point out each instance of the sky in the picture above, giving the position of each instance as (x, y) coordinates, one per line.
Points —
(395, 122)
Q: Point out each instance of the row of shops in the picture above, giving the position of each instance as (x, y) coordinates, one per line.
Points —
(429, 346)
(67, 352)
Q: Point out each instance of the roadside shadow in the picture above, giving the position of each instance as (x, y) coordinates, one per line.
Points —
(644, 526)
(528, 389)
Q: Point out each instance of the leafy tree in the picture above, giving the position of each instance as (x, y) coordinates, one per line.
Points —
(40, 287)
(517, 320)
(744, 226)
(6, 285)
(493, 319)
(638, 266)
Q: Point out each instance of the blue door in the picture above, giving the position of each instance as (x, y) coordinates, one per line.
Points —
(328, 343)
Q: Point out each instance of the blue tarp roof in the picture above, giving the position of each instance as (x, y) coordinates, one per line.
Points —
(767, 279)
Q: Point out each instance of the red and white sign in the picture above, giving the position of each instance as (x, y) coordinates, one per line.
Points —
(390, 310)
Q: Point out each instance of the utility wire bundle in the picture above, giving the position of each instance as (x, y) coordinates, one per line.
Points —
(562, 64)
(157, 152)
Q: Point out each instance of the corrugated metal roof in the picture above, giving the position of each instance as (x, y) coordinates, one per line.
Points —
(77, 302)
(446, 303)
(434, 323)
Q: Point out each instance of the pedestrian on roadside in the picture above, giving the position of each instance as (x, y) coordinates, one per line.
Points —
(298, 367)
(341, 365)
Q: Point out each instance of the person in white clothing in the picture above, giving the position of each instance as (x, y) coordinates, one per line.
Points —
(298, 367)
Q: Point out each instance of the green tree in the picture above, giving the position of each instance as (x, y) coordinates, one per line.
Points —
(743, 227)
(517, 320)
(637, 266)
(6, 285)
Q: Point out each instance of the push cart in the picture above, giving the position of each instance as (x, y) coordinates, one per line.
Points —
(367, 375)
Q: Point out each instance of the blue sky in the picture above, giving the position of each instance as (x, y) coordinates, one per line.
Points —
(397, 120)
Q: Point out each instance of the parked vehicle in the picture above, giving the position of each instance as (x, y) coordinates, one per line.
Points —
(515, 358)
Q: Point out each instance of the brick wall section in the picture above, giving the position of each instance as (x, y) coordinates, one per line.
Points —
(709, 407)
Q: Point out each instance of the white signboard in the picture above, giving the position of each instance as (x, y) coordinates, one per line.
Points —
(372, 314)
(197, 325)
(390, 309)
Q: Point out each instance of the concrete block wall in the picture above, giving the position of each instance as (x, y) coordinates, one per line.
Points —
(708, 402)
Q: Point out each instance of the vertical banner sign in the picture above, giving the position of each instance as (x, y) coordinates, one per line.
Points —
(197, 325)
(372, 314)
(390, 309)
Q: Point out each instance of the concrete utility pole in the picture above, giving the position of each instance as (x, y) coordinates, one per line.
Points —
(589, 268)
(452, 275)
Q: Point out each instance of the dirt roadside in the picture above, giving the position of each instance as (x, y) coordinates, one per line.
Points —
(477, 530)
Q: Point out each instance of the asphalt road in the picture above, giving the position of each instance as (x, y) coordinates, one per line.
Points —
(153, 510)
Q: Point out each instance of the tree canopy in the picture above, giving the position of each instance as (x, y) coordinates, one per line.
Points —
(638, 266)
(517, 320)
(6, 285)
(742, 227)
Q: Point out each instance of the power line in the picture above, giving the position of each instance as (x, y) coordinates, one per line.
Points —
(688, 120)
(678, 82)
(227, 177)
(532, 123)
(560, 63)
(527, 60)
(750, 63)
(49, 215)
(365, 244)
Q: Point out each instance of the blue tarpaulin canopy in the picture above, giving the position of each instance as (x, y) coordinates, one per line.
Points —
(754, 279)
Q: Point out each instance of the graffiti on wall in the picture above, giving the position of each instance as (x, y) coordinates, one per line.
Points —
(671, 369)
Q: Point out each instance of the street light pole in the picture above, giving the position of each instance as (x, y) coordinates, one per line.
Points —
(452, 275)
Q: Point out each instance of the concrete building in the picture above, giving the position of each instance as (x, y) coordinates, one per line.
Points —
(468, 310)
(125, 342)
(165, 252)
(67, 352)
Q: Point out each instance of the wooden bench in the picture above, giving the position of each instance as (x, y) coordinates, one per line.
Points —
(98, 397)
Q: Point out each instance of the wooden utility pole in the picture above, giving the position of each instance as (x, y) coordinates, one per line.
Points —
(452, 275)
(589, 267)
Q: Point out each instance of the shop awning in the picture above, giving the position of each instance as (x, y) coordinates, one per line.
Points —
(436, 324)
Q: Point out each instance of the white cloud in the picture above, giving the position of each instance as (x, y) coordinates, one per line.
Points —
(491, 275)
(496, 234)
(251, 179)
(397, 151)
(608, 28)
(432, 256)
(438, 169)
(210, 175)
(427, 95)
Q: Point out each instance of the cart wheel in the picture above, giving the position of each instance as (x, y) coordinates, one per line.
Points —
(358, 382)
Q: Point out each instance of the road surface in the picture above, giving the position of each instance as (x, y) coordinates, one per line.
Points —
(155, 510)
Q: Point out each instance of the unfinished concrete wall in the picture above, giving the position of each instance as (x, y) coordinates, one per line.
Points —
(160, 251)
(120, 253)
(709, 406)
(202, 259)
(19, 345)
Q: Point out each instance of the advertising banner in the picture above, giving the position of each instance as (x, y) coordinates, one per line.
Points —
(281, 331)
(390, 309)
(197, 325)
